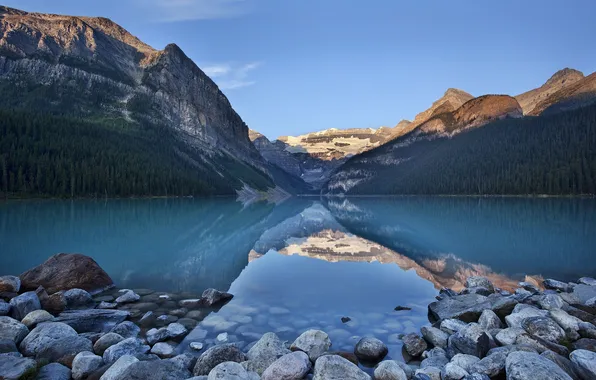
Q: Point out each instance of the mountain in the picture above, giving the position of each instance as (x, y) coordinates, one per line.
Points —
(484, 147)
(544, 94)
(94, 83)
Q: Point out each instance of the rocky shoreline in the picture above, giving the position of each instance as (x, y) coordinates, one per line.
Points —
(65, 320)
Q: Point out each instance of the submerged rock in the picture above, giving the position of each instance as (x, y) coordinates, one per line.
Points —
(66, 271)
(212, 297)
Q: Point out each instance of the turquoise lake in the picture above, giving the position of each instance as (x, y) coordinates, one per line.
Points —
(307, 262)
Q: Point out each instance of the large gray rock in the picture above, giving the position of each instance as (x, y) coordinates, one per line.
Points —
(370, 350)
(428, 373)
(584, 292)
(12, 329)
(390, 370)
(438, 360)
(566, 321)
(212, 297)
(217, 355)
(267, 350)
(492, 365)
(54, 371)
(36, 317)
(126, 329)
(66, 271)
(77, 299)
(521, 365)
(551, 302)
(414, 344)
(466, 307)
(544, 328)
(563, 363)
(465, 361)
(107, 340)
(84, 364)
(585, 362)
(64, 350)
(169, 369)
(24, 304)
(7, 345)
(172, 331)
(314, 342)
(334, 367)
(4, 308)
(10, 284)
(471, 340)
(556, 285)
(44, 336)
(508, 336)
(230, 371)
(292, 366)
(521, 312)
(117, 369)
(92, 320)
(489, 320)
(15, 368)
(479, 282)
(130, 346)
(435, 336)
(451, 326)
(452, 371)
(587, 281)
(502, 306)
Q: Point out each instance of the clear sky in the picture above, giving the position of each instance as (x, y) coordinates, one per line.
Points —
(294, 66)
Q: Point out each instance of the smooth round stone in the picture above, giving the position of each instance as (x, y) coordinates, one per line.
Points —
(106, 341)
(389, 370)
(84, 364)
(371, 350)
(314, 342)
(36, 317)
(163, 350)
(12, 329)
(197, 346)
(335, 367)
(292, 366)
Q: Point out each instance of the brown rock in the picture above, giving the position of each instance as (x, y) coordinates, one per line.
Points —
(66, 271)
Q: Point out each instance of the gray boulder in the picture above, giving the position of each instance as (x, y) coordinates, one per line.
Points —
(544, 328)
(44, 336)
(117, 369)
(126, 329)
(169, 369)
(130, 346)
(7, 345)
(556, 285)
(292, 366)
(465, 361)
(10, 284)
(390, 370)
(451, 326)
(267, 350)
(492, 365)
(452, 371)
(14, 367)
(54, 371)
(584, 292)
(314, 342)
(217, 355)
(12, 329)
(230, 371)
(551, 302)
(479, 282)
(466, 307)
(587, 281)
(370, 350)
(502, 306)
(521, 312)
(84, 364)
(64, 350)
(212, 297)
(4, 308)
(334, 367)
(585, 362)
(414, 344)
(428, 373)
(77, 298)
(521, 365)
(107, 340)
(36, 317)
(92, 320)
(563, 363)
(489, 320)
(471, 340)
(24, 304)
(435, 336)
(164, 350)
(508, 336)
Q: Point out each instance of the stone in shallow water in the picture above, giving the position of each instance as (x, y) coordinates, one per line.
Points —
(414, 344)
(266, 351)
(292, 366)
(197, 346)
(92, 320)
(314, 342)
(128, 297)
(370, 350)
(529, 366)
(587, 281)
(212, 297)
(163, 350)
(230, 371)
(333, 367)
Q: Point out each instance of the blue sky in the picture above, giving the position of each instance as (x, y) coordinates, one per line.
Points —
(294, 66)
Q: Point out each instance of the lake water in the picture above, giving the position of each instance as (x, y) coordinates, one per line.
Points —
(308, 262)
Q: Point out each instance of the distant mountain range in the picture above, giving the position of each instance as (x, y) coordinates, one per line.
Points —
(87, 109)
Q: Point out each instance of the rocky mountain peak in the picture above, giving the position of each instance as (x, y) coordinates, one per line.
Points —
(564, 75)
(537, 100)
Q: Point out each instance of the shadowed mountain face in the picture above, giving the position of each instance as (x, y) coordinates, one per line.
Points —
(92, 68)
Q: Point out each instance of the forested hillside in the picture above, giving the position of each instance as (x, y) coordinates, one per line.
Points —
(534, 155)
(60, 156)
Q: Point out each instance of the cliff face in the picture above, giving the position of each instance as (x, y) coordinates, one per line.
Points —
(91, 67)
